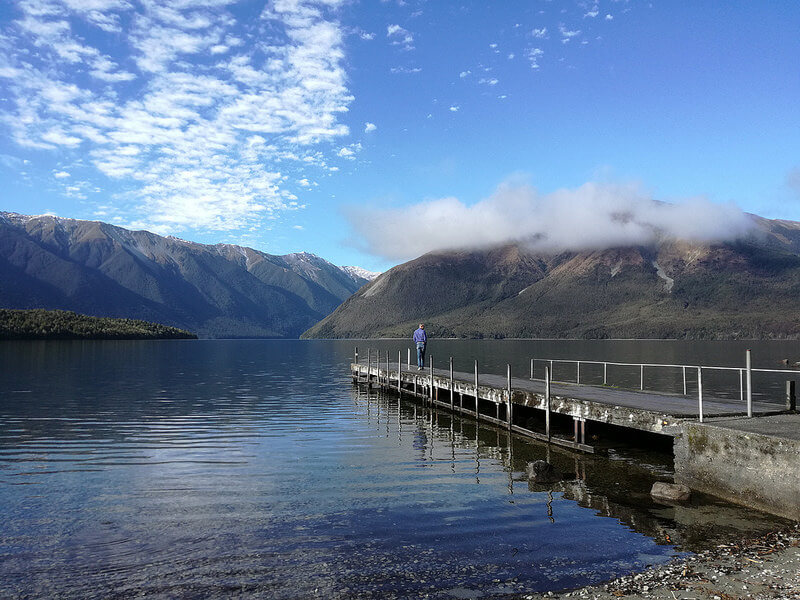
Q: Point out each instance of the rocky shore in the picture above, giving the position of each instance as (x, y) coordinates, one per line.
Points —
(763, 568)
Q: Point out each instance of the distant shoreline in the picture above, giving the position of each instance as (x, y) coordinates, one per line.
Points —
(41, 324)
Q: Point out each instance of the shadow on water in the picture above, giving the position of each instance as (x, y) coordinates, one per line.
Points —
(255, 468)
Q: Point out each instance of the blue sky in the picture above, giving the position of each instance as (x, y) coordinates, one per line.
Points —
(336, 127)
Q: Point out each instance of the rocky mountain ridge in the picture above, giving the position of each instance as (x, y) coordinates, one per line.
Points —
(220, 290)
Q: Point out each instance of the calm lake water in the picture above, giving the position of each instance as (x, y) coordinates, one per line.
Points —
(255, 468)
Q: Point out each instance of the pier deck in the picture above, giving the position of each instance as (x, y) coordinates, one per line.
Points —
(654, 412)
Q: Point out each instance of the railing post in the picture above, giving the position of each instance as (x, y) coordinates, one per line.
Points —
(741, 385)
(579, 372)
(641, 377)
(355, 355)
(700, 391)
(551, 369)
(476, 387)
(605, 373)
(684, 381)
(532, 368)
(749, 384)
(431, 390)
(547, 402)
(408, 360)
(387, 369)
(791, 398)
(451, 384)
(369, 366)
(399, 372)
(509, 409)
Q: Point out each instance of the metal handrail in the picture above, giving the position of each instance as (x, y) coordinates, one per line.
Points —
(745, 375)
(621, 364)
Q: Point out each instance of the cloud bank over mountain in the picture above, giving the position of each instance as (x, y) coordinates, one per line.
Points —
(592, 216)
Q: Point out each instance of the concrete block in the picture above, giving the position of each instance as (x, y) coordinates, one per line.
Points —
(731, 461)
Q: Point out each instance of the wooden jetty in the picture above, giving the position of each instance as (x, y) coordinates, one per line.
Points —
(746, 452)
(493, 398)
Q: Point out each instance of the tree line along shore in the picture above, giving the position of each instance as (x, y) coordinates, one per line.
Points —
(40, 324)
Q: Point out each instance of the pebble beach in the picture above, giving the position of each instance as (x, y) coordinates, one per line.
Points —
(762, 568)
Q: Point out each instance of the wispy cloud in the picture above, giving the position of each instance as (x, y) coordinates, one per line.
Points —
(406, 70)
(207, 121)
(566, 34)
(593, 216)
(534, 54)
(398, 36)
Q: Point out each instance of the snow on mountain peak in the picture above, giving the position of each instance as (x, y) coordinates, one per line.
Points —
(359, 272)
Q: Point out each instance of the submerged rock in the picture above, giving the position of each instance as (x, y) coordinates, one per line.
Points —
(543, 472)
(670, 491)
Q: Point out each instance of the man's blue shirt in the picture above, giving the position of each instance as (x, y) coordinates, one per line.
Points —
(420, 336)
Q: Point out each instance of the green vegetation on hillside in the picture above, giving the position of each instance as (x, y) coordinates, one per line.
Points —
(39, 324)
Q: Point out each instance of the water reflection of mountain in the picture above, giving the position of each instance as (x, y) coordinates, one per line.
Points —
(615, 486)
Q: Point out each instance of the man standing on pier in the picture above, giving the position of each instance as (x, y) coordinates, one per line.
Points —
(421, 340)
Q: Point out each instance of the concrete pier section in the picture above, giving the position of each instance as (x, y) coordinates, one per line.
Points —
(753, 462)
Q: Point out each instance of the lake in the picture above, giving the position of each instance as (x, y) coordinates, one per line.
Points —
(255, 468)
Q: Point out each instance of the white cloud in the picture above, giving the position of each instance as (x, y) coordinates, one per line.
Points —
(61, 174)
(368, 127)
(592, 12)
(349, 152)
(593, 216)
(455, 108)
(406, 70)
(539, 33)
(464, 74)
(534, 54)
(193, 111)
(609, 17)
(398, 36)
(566, 34)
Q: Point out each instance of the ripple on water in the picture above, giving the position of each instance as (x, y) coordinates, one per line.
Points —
(234, 467)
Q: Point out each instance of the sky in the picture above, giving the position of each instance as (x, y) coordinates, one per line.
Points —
(369, 132)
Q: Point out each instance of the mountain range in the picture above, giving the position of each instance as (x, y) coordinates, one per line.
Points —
(218, 290)
(747, 288)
